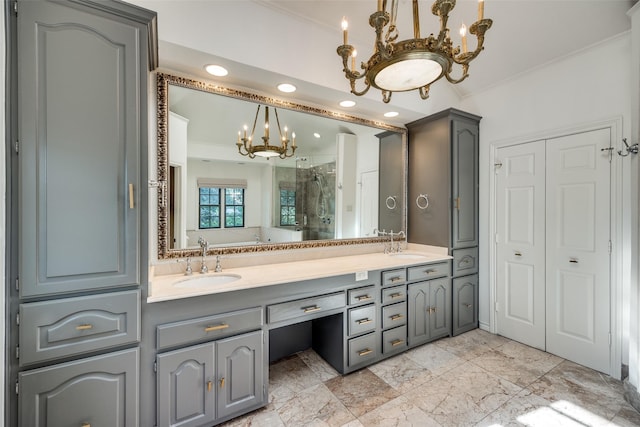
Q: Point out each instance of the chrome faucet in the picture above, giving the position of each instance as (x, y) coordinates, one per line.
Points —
(218, 268)
(188, 271)
(205, 246)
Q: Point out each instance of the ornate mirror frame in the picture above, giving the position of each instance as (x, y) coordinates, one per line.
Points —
(162, 85)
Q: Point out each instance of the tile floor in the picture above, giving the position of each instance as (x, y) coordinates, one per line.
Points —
(474, 379)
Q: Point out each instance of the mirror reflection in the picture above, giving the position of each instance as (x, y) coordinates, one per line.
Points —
(328, 189)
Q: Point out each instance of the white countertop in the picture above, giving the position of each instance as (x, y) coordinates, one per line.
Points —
(162, 288)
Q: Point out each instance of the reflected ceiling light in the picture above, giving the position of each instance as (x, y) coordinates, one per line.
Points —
(316, 135)
(347, 104)
(391, 114)
(245, 143)
(286, 87)
(416, 63)
(216, 70)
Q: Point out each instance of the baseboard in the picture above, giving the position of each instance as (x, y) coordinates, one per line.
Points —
(631, 394)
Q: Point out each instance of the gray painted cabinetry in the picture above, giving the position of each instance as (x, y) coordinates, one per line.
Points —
(443, 201)
(81, 246)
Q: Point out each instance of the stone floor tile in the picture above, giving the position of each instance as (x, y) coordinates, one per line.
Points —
(361, 391)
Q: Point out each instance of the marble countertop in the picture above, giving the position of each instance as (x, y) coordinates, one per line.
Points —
(163, 287)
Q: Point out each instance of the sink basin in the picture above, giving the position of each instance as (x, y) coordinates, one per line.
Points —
(407, 255)
(207, 281)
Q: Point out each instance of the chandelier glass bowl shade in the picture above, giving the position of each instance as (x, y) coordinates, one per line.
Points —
(399, 66)
(283, 150)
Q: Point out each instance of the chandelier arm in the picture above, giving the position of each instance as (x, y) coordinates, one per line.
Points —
(363, 91)
(424, 91)
(465, 74)
(386, 96)
(255, 120)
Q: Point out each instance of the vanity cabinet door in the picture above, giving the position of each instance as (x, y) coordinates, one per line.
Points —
(465, 304)
(82, 77)
(429, 310)
(240, 373)
(97, 391)
(186, 388)
(464, 184)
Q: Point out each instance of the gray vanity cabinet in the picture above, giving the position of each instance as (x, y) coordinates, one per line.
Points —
(186, 386)
(96, 391)
(465, 306)
(82, 120)
(429, 310)
(443, 194)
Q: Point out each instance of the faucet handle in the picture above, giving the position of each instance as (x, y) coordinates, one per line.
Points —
(188, 271)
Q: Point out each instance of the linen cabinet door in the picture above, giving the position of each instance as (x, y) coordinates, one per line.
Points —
(241, 370)
(465, 304)
(419, 310)
(440, 307)
(186, 390)
(97, 391)
(79, 123)
(464, 184)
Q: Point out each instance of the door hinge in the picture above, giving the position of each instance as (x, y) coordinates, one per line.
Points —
(155, 367)
(16, 147)
(15, 7)
(18, 319)
(17, 352)
(610, 246)
(496, 238)
(17, 387)
(17, 283)
(497, 307)
(497, 165)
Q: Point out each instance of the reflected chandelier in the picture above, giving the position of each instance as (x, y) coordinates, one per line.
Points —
(399, 66)
(245, 143)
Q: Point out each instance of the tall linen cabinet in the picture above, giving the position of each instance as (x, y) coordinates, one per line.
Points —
(78, 178)
(443, 201)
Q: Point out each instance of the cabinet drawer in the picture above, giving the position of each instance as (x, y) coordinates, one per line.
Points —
(362, 349)
(394, 277)
(64, 327)
(394, 315)
(395, 294)
(207, 328)
(362, 319)
(394, 340)
(361, 295)
(305, 308)
(465, 261)
(428, 271)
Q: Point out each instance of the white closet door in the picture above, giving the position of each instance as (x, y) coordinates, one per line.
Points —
(578, 258)
(520, 197)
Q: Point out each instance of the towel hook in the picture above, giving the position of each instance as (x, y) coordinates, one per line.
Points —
(631, 149)
(391, 202)
(424, 205)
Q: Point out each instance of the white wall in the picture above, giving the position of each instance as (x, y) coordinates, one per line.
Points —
(590, 86)
(2, 203)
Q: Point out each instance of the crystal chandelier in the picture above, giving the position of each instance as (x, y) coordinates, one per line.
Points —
(398, 66)
(245, 143)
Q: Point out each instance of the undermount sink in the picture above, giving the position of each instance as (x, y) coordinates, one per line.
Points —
(207, 281)
(407, 255)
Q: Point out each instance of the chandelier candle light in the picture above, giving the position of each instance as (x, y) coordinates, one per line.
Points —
(245, 143)
(399, 66)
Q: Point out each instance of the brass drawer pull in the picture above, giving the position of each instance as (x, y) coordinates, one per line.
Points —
(222, 382)
(431, 309)
(364, 321)
(363, 297)
(311, 309)
(396, 342)
(131, 203)
(396, 317)
(209, 385)
(84, 327)
(573, 260)
(430, 270)
(395, 295)
(365, 352)
(216, 327)
(85, 425)
(395, 279)
(468, 305)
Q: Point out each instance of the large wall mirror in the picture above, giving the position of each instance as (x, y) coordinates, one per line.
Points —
(345, 181)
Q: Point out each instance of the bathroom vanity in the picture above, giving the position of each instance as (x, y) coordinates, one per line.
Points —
(213, 341)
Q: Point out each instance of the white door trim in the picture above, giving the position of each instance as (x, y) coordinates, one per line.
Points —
(616, 227)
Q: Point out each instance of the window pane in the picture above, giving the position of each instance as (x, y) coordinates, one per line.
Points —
(209, 207)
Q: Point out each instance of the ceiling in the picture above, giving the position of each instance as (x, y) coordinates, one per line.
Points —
(266, 42)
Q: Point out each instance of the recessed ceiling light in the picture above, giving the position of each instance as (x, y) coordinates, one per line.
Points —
(316, 135)
(347, 104)
(286, 87)
(391, 114)
(216, 70)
